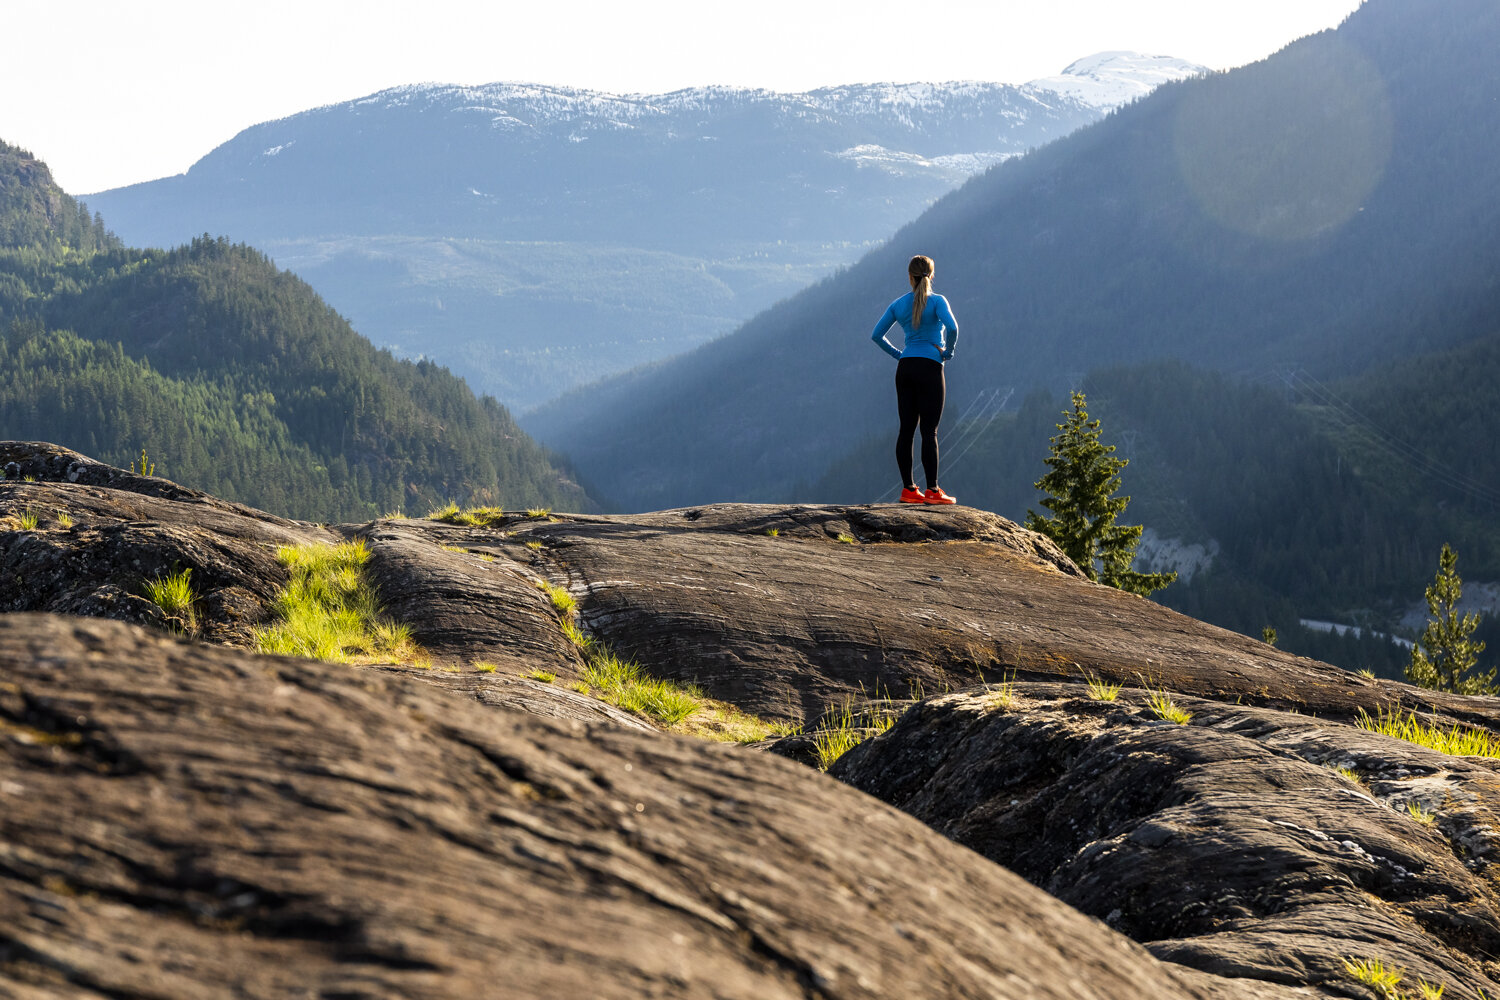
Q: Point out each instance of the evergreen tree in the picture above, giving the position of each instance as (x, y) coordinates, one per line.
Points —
(1445, 654)
(1080, 492)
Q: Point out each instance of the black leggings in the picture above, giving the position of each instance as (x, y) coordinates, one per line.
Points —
(920, 390)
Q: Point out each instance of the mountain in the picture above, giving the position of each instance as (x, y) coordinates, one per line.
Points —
(1330, 208)
(232, 375)
(537, 238)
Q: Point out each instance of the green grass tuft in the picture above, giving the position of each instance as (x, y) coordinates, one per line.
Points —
(847, 731)
(329, 611)
(1102, 690)
(624, 684)
(27, 520)
(173, 593)
(1374, 973)
(620, 682)
(473, 517)
(847, 538)
(538, 513)
(545, 676)
(1415, 810)
(576, 637)
(562, 601)
(1457, 741)
(64, 519)
(449, 512)
(1163, 707)
(483, 667)
(774, 532)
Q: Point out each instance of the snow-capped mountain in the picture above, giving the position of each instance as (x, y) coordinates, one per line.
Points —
(455, 222)
(1109, 79)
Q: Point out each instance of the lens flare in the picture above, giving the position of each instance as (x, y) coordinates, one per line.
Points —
(1261, 158)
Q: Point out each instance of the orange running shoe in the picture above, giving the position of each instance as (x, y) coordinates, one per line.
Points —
(935, 494)
(910, 494)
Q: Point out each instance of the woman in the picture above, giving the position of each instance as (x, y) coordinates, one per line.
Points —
(931, 331)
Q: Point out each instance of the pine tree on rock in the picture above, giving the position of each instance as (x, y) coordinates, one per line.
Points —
(1080, 492)
(1445, 654)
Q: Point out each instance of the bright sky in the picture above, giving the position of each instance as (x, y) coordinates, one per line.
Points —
(112, 93)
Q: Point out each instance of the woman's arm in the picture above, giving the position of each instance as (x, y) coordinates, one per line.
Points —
(886, 319)
(945, 314)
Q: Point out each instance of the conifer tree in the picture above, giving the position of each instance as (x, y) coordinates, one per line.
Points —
(1080, 486)
(1445, 654)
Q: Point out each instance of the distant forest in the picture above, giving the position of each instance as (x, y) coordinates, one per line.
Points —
(233, 376)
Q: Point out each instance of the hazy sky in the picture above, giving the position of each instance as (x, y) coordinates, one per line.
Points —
(111, 93)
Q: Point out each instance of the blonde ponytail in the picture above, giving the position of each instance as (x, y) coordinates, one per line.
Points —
(920, 271)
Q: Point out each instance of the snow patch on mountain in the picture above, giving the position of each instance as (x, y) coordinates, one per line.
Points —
(1101, 81)
(1109, 79)
(896, 162)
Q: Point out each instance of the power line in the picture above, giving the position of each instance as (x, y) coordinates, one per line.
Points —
(1009, 391)
(968, 434)
(1392, 445)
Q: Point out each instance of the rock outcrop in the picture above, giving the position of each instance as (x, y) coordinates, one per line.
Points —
(785, 611)
(183, 820)
(1246, 843)
(189, 819)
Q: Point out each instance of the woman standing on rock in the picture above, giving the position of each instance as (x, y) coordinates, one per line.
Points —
(931, 331)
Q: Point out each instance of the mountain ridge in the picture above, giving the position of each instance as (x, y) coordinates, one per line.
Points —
(1125, 75)
(535, 238)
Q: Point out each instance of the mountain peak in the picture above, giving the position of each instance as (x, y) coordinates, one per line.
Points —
(1115, 77)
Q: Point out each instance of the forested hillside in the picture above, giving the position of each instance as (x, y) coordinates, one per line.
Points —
(1331, 208)
(234, 377)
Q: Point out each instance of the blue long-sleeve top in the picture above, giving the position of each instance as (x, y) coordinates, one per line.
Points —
(932, 338)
